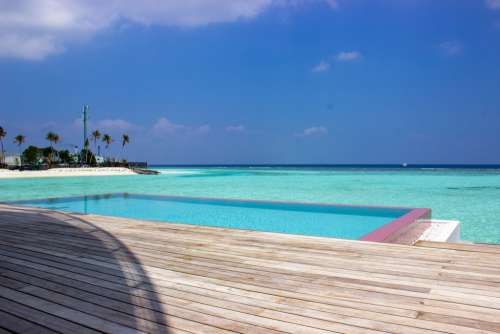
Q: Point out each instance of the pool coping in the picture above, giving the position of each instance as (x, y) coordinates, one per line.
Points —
(398, 225)
(381, 234)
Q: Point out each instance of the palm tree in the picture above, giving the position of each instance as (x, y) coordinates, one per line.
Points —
(53, 138)
(3, 133)
(19, 140)
(108, 140)
(96, 135)
(125, 141)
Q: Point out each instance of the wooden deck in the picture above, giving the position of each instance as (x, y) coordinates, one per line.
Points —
(87, 274)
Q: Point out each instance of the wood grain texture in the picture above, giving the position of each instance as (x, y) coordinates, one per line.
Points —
(71, 273)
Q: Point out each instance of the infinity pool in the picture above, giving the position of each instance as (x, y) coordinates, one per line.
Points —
(340, 221)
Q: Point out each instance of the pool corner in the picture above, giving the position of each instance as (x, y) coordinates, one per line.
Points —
(398, 226)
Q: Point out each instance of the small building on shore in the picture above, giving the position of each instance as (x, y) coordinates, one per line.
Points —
(12, 160)
(99, 159)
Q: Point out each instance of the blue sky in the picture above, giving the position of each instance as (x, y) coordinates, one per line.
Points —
(258, 81)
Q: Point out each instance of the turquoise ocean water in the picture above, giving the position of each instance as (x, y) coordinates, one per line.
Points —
(471, 196)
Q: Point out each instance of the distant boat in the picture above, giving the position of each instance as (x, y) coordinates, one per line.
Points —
(405, 165)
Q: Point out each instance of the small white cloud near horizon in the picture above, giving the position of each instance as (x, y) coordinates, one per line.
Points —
(344, 56)
(322, 66)
(451, 48)
(348, 56)
(164, 126)
(110, 124)
(201, 130)
(493, 4)
(115, 124)
(235, 128)
(313, 131)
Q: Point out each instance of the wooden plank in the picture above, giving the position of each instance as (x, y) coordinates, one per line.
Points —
(11, 324)
(370, 292)
(132, 315)
(294, 315)
(335, 254)
(4, 331)
(434, 325)
(262, 238)
(41, 318)
(377, 324)
(137, 274)
(487, 290)
(272, 324)
(326, 272)
(477, 248)
(64, 312)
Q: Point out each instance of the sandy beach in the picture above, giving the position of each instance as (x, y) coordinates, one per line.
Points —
(65, 172)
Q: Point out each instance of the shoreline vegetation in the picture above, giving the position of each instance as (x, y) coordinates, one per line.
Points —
(43, 158)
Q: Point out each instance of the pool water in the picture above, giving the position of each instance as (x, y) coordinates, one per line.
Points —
(345, 222)
(471, 196)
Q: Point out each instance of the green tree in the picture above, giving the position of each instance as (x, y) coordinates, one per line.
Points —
(88, 156)
(96, 135)
(108, 140)
(3, 133)
(53, 138)
(31, 154)
(49, 153)
(66, 157)
(125, 141)
(19, 140)
(86, 150)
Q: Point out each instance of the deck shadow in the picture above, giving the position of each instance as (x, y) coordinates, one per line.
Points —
(73, 265)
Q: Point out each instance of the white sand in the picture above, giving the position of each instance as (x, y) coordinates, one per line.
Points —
(62, 172)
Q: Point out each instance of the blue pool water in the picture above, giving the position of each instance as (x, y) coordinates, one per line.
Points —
(469, 195)
(294, 218)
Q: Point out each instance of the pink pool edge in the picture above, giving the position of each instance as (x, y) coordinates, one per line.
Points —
(398, 226)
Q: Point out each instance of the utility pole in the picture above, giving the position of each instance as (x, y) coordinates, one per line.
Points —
(85, 138)
(85, 117)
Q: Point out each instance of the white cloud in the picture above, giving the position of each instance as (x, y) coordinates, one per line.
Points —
(165, 127)
(200, 130)
(322, 66)
(451, 48)
(28, 47)
(35, 29)
(333, 3)
(313, 131)
(115, 124)
(493, 4)
(235, 128)
(348, 56)
(344, 56)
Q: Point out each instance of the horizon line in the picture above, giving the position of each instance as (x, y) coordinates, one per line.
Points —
(421, 165)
